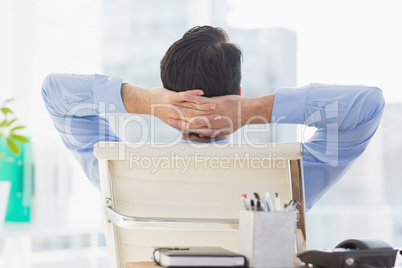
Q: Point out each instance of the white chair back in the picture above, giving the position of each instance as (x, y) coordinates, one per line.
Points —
(189, 194)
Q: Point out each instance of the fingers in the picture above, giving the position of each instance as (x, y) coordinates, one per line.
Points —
(187, 113)
(187, 127)
(200, 121)
(205, 120)
(197, 99)
(193, 99)
(179, 96)
(199, 106)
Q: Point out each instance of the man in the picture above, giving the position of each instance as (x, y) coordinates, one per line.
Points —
(346, 117)
(204, 59)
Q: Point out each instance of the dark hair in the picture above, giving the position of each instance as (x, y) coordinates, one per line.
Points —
(203, 59)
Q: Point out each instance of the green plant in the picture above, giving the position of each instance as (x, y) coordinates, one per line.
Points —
(8, 129)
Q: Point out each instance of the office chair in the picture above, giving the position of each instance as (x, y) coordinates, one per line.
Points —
(189, 194)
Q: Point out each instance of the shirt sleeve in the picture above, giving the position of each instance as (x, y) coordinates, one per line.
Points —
(76, 104)
(346, 118)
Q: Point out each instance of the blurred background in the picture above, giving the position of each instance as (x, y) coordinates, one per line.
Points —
(58, 220)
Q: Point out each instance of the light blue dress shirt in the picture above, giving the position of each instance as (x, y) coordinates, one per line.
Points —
(346, 118)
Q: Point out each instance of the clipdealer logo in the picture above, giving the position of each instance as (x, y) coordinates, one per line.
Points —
(146, 129)
(324, 118)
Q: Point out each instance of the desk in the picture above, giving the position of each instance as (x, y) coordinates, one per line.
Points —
(151, 264)
(299, 264)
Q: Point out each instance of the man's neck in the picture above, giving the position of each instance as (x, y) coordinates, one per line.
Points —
(194, 137)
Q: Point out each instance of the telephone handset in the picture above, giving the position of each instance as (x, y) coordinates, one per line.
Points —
(353, 253)
(363, 244)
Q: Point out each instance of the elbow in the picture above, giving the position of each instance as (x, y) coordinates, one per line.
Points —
(47, 86)
(49, 92)
(376, 98)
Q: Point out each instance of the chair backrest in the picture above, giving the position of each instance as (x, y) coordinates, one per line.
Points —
(189, 194)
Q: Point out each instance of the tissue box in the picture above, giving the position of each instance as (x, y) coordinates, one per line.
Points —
(267, 239)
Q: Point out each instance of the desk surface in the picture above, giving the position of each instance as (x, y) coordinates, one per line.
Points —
(151, 264)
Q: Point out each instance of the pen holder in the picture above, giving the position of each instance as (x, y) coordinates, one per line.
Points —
(267, 239)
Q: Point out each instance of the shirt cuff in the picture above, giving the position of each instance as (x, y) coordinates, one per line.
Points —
(107, 94)
(289, 105)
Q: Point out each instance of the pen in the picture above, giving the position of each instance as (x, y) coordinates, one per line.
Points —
(246, 202)
(292, 205)
(268, 201)
(266, 206)
(258, 203)
(252, 205)
(277, 202)
(259, 208)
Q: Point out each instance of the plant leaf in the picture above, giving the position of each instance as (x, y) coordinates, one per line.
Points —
(16, 128)
(3, 123)
(10, 122)
(19, 138)
(14, 148)
(5, 110)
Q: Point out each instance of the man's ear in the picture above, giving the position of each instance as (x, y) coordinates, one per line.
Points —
(239, 91)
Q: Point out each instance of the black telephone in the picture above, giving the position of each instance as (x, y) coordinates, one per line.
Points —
(353, 253)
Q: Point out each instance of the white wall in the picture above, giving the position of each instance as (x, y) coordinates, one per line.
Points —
(37, 38)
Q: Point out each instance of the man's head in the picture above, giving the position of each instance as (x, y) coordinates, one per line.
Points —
(203, 59)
